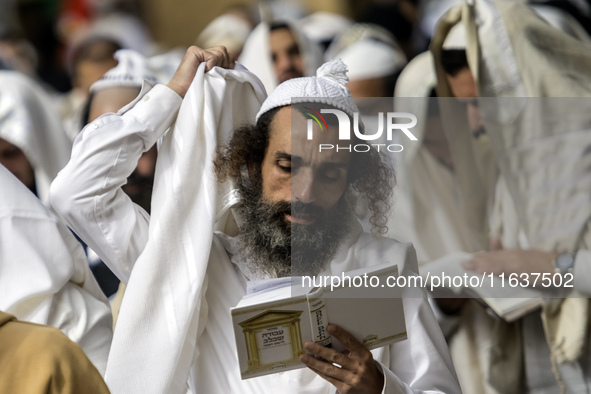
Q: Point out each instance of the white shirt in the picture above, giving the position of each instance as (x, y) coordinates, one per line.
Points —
(87, 194)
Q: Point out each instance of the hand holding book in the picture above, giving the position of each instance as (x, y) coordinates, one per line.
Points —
(356, 372)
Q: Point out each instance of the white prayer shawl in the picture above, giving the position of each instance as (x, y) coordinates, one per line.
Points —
(153, 351)
(513, 53)
(44, 277)
(511, 65)
(563, 21)
(426, 211)
(175, 327)
(256, 54)
(29, 120)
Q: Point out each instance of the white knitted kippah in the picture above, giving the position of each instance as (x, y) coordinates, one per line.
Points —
(132, 69)
(327, 87)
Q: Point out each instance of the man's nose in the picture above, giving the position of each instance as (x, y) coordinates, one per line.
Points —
(283, 63)
(303, 187)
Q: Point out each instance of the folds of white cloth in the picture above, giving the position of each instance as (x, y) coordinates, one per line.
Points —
(44, 277)
(164, 310)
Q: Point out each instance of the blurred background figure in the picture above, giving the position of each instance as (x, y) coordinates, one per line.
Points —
(89, 60)
(323, 27)
(33, 143)
(426, 210)
(44, 275)
(230, 30)
(119, 20)
(38, 359)
(529, 211)
(373, 57)
(280, 51)
(16, 53)
(401, 18)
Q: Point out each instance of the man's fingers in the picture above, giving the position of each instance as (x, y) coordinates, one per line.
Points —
(218, 56)
(335, 382)
(186, 71)
(325, 368)
(355, 347)
(330, 355)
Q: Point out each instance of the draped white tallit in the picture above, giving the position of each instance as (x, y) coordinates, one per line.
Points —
(152, 352)
(29, 120)
(513, 54)
(256, 54)
(44, 277)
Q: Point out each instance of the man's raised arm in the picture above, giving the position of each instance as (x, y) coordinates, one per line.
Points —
(87, 193)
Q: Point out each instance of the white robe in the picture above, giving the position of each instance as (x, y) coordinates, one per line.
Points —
(87, 194)
(44, 277)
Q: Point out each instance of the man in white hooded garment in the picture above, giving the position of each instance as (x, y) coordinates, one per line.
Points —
(174, 332)
(536, 213)
(33, 143)
(44, 277)
(278, 51)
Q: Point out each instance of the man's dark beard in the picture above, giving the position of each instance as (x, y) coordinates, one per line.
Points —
(278, 248)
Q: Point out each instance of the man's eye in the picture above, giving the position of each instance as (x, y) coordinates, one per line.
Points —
(284, 165)
(331, 175)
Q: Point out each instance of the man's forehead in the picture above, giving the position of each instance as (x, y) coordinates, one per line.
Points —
(289, 133)
(282, 37)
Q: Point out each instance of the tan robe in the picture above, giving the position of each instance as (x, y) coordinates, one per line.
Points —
(40, 359)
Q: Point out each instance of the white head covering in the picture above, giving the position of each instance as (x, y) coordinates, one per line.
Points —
(385, 59)
(324, 26)
(426, 211)
(133, 69)
(228, 30)
(359, 32)
(328, 86)
(30, 121)
(256, 54)
(126, 29)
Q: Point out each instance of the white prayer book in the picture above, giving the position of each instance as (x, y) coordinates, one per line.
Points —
(272, 322)
(509, 301)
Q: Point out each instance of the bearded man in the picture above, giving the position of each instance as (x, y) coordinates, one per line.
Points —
(286, 213)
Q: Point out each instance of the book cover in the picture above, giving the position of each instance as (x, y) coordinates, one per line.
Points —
(271, 325)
